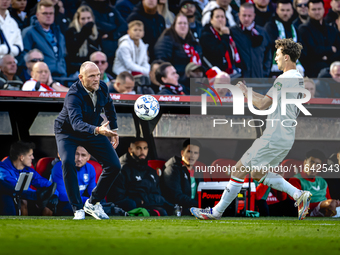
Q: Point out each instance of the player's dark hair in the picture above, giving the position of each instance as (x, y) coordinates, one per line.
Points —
(290, 48)
(160, 72)
(247, 5)
(20, 148)
(315, 153)
(190, 141)
(315, 2)
(156, 62)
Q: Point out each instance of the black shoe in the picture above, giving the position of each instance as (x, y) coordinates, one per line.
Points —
(44, 195)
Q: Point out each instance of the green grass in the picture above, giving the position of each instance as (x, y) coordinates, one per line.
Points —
(168, 235)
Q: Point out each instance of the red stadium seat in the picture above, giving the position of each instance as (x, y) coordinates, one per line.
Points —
(219, 175)
(289, 168)
(42, 167)
(157, 165)
(97, 167)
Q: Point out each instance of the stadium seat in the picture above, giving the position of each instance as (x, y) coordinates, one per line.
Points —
(42, 167)
(157, 165)
(289, 164)
(97, 167)
(206, 175)
(219, 175)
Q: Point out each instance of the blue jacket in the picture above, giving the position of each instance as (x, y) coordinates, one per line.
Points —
(79, 117)
(86, 180)
(35, 37)
(9, 176)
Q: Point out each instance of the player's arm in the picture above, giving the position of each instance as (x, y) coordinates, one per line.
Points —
(260, 101)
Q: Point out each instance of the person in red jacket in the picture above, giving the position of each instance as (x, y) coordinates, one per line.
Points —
(321, 203)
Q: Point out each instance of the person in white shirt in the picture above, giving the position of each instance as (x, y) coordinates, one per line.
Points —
(225, 4)
(10, 34)
(42, 80)
(275, 143)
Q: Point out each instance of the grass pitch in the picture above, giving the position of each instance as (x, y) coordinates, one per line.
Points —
(168, 235)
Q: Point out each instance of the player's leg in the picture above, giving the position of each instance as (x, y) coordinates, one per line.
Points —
(67, 150)
(229, 194)
(276, 181)
(101, 148)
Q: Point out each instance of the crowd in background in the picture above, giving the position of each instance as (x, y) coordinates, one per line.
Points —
(156, 46)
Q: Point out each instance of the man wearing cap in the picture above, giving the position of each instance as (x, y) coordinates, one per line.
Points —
(188, 8)
(193, 73)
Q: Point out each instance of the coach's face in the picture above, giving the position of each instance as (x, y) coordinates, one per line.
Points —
(90, 77)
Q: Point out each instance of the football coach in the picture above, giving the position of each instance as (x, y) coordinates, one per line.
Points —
(79, 124)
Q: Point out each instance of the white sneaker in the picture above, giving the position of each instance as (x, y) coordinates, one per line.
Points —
(79, 215)
(205, 214)
(95, 210)
(303, 204)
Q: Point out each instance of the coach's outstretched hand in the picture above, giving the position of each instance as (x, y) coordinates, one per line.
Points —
(112, 135)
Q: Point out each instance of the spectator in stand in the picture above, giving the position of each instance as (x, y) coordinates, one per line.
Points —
(188, 8)
(336, 23)
(138, 184)
(42, 80)
(333, 13)
(86, 181)
(8, 77)
(217, 43)
(231, 14)
(310, 86)
(167, 77)
(125, 7)
(154, 23)
(281, 27)
(42, 201)
(30, 58)
(110, 24)
(82, 38)
(132, 52)
(301, 7)
(178, 183)
(321, 42)
(60, 19)
(177, 46)
(262, 12)
(46, 36)
(253, 44)
(154, 84)
(124, 84)
(329, 87)
(322, 204)
(201, 4)
(10, 37)
(163, 9)
(100, 59)
(17, 11)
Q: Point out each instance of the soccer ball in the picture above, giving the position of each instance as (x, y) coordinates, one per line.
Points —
(146, 107)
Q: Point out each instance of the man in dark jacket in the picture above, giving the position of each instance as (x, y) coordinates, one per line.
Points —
(46, 36)
(178, 183)
(329, 84)
(138, 184)
(253, 44)
(154, 23)
(262, 12)
(110, 24)
(281, 27)
(333, 13)
(188, 8)
(79, 124)
(321, 42)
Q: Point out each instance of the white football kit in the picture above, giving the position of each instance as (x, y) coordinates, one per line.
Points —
(278, 138)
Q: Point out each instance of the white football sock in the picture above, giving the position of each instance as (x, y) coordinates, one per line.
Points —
(229, 194)
(277, 182)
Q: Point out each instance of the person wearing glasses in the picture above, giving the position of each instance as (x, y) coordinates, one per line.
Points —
(82, 38)
(47, 37)
(100, 59)
(188, 8)
(30, 58)
(301, 7)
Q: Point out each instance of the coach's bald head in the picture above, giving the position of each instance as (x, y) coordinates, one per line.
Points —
(89, 75)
